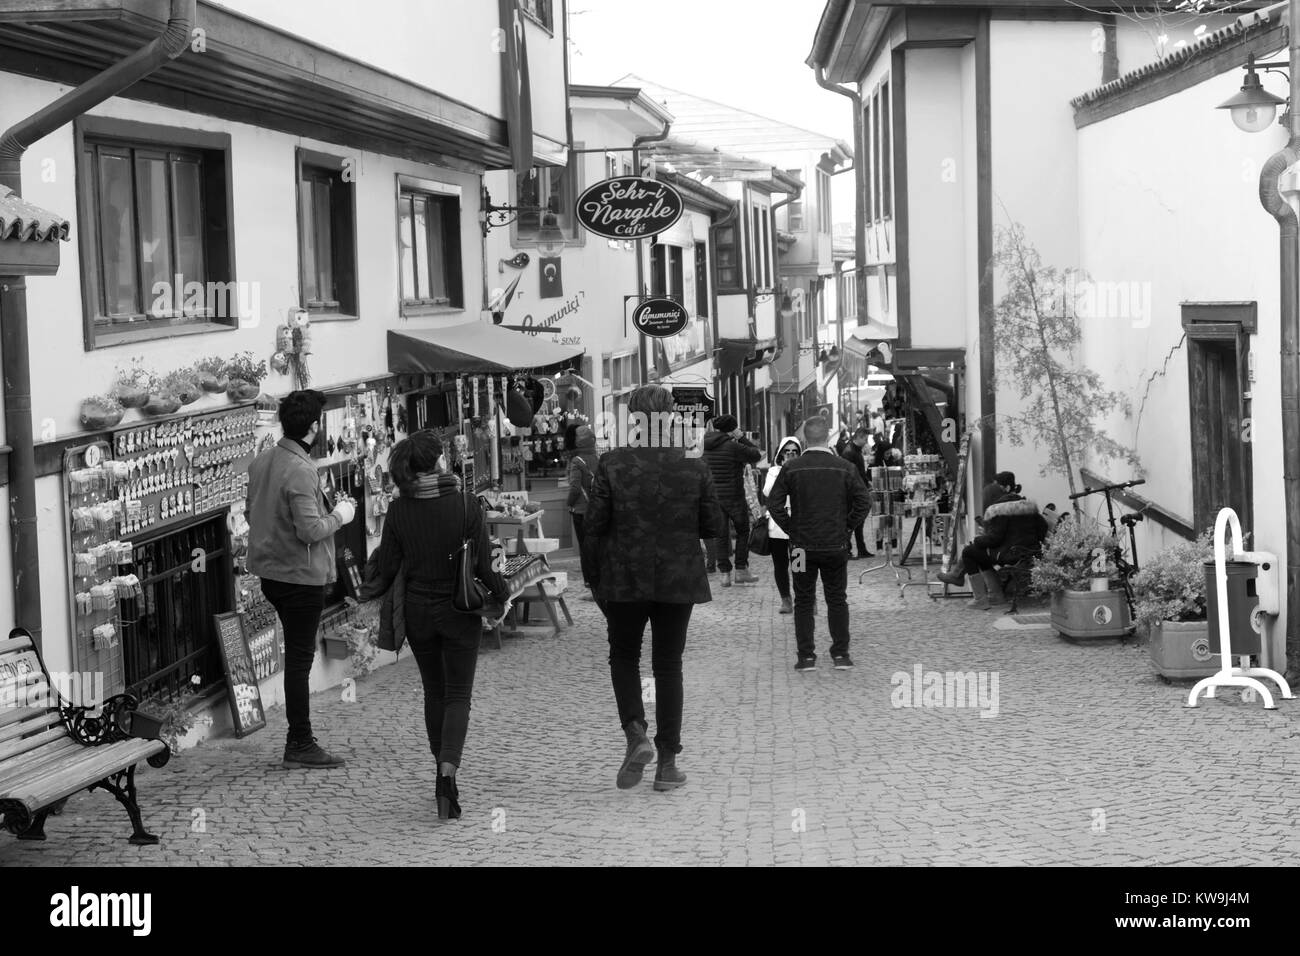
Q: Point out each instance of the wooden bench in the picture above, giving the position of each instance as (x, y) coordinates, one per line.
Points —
(50, 749)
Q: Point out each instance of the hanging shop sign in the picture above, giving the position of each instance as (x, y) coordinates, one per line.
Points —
(629, 207)
(660, 318)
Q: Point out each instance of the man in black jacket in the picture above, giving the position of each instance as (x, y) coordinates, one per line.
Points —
(727, 452)
(1010, 522)
(827, 500)
(852, 453)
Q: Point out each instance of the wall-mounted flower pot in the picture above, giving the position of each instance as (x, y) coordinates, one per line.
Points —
(242, 391)
(145, 725)
(131, 396)
(213, 383)
(161, 405)
(1089, 614)
(189, 393)
(97, 417)
(1182, 649)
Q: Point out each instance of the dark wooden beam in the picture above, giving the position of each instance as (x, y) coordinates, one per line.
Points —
(1243, 315)
(984, 250)
(902, 229)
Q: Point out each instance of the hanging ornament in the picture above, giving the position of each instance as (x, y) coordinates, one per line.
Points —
(280, 362)
(284, 339)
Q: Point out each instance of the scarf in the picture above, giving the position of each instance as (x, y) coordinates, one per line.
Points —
(431, 485)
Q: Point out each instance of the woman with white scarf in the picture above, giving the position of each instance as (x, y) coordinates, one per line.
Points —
(779, 541)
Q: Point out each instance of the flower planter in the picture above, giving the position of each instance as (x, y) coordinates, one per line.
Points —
(241, 391)
(336, 647)
(1182, 649)
(212, 383)
(189, 393)
(97, 417)
(1089, 614)
(161, 405)
(131, 396)
(145, 725)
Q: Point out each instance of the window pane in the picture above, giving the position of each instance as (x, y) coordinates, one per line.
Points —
(117, 234)
(307, 242)
(675, 270)
(421, 205)
(320, 189)
(189, 219)
(437, 251)
(658, 273)
(406, 246)
(155, 235)
(701, 280)
(886, 157)
(529, 190)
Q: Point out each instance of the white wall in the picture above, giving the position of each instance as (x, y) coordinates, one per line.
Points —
(439, 44)
(1188, 231)
(936, 253)
(1035, 174)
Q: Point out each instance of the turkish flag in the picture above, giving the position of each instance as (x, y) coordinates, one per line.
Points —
(551, 278)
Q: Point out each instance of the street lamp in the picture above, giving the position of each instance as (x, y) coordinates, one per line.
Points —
(1254, 108)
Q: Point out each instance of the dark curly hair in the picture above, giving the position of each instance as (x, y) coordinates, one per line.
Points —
(414, 456)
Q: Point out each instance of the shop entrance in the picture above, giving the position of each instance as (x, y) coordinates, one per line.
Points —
(167, 638)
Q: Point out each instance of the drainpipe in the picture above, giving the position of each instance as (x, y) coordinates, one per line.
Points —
(640, 265)
(1272, 200)
(15, 364)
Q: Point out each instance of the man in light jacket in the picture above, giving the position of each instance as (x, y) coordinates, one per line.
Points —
(291, 548)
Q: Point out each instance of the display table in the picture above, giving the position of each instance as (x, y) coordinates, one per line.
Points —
(527, 576)
(526, 529)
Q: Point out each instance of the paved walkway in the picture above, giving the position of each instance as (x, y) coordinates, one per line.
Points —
(1089, 760)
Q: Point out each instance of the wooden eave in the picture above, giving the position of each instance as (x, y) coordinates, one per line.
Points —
(256, 74)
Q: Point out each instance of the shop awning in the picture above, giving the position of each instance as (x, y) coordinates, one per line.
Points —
(474, 347)
(736, 355)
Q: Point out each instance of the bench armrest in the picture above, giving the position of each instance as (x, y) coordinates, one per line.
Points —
(110, 725)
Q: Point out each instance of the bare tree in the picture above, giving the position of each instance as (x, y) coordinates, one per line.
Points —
(1158, 18)
(1037, 331)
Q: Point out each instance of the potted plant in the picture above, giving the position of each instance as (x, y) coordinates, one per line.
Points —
(211, 374)
(135, 383)
(167, 717)
(1170, 601)
(1064, 571)
(245, 377)
(183, 385)
(100, 412)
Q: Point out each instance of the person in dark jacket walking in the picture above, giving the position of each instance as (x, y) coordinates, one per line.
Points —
(582, 474)
(727, 452)
(1009, 522)
(818, 499)
(649, 509)
(423, 532)
(291, 548)
(852, 453)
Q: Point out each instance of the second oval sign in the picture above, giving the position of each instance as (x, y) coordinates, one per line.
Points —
(660, 318)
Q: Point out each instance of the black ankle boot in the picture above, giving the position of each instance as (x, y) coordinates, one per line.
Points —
(447, 796)
(667, 776)
(639, 753)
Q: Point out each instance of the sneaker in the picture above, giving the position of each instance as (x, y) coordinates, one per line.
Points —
(843, 663)
(806, 664)
(786, 606)
(744, 577)
(726, 579)
(309, 756)
(710, 569)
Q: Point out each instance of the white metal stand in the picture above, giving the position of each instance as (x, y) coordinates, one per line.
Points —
(1229, 676)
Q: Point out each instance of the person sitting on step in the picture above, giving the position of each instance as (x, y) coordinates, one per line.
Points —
(1010, 521)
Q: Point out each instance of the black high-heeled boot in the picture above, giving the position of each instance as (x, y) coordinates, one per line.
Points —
(448, 796)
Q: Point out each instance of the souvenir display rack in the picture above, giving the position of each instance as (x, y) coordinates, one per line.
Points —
(99, 563)
(262, 625)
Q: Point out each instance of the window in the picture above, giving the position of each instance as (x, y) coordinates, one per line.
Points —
(727, 250)
(701, 280)
(877, 127)
(546, 187)
(428, 228)
(880, 165)
(823, 202)
(539, 10)
(868, 140)
(761, 246)
(155, 241)
(756, 248)
(611, 166)
(886, 157)
(326, 237)
(666, 270)
(794, 210)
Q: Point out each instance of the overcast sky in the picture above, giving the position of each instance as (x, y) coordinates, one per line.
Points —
(744, 53)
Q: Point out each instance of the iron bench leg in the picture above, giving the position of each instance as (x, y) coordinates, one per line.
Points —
(125, 795)
(37, 829)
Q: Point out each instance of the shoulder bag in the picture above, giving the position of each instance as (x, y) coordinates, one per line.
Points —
(472, 595)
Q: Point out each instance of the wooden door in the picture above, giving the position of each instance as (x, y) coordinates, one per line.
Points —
(1221, 475)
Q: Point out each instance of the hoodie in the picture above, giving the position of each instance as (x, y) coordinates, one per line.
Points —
(1011, 522)
(773, 529)
(727, 458)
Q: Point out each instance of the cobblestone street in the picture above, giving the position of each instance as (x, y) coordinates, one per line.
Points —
(1090, 759)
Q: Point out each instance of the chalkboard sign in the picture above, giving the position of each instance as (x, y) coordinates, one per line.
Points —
(241, 678)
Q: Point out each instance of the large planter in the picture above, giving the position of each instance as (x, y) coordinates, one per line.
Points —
(1182, 649)
(1089, 614)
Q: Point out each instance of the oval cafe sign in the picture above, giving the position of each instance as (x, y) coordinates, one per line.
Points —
(629, 207)
(660, 318)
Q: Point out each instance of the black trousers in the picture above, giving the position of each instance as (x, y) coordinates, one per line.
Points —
(974, 560)
(668, 623)
(857, 533)
(735, 514)
(586, 551)
(781, 565)
(445, 644)
(299, 607)
(833, 566)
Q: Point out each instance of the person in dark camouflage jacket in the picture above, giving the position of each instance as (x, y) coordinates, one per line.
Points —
(649, 508)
